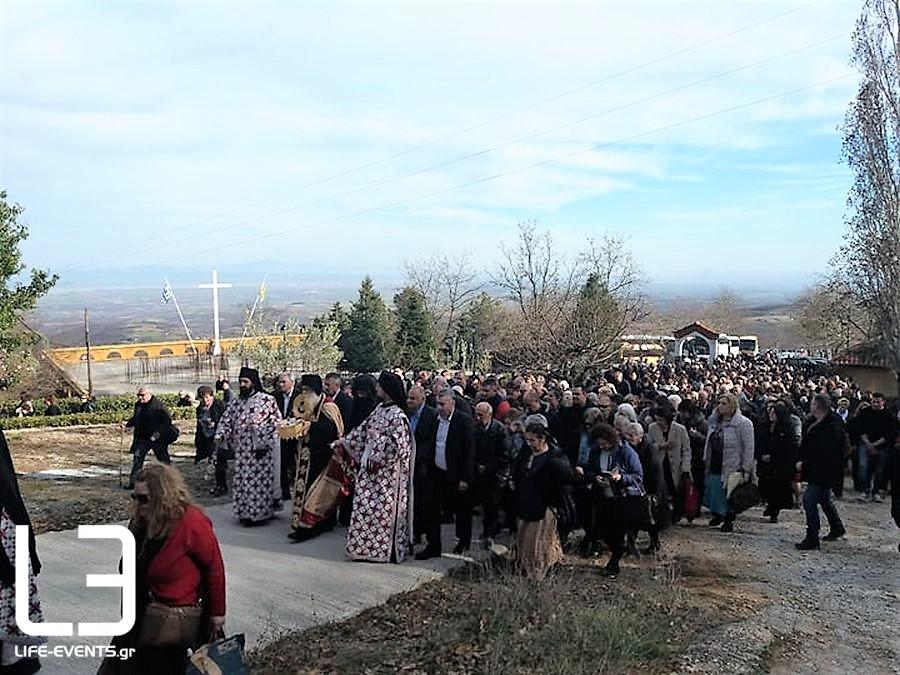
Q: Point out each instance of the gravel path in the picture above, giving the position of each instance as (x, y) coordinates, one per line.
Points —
(831, 611)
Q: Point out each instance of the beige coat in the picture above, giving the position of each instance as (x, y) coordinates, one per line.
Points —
(679, 451)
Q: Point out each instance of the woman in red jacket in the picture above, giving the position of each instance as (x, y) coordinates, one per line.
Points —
(178, 565)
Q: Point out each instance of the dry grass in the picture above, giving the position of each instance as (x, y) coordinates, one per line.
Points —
(65, 503)
(576, 621)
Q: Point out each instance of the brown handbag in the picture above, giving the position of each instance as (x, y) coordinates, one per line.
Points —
(165, 626)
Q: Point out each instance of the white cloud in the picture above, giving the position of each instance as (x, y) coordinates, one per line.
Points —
(159, 116)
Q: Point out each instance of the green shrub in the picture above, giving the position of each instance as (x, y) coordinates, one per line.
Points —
(77, 419)
(102, 404)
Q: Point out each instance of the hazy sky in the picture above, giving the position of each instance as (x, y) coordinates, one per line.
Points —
(201, 133)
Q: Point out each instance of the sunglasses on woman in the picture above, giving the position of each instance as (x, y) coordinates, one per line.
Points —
(140, 499)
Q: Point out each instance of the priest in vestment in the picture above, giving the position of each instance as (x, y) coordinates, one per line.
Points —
(249, 428)
(383, 449)
(320, 483)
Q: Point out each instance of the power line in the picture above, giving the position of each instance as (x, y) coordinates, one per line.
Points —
(496, 148)
(535, 165)
(474, 127)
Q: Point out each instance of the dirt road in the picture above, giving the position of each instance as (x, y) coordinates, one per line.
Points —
(70, 477)
(831, 611)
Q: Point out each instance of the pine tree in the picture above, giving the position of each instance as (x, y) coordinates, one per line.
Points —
(336, 317)
(476, 334)
(365, 342)
(18, 294)
(22, 296)
(415, 343)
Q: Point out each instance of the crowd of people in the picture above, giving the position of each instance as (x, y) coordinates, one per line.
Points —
(27, 408)
(635, 449)
(545, 464)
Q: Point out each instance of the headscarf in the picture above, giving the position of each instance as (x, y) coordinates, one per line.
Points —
(392, 385)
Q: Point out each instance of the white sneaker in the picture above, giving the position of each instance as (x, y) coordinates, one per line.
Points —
(862, 499)
(878, 499)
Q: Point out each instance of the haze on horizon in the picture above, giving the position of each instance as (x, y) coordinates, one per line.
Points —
(349, 135)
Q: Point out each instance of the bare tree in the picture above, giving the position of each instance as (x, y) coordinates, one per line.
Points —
(273, 346)
(723, 312)
(830, 318)
(449, 284)
(868, 263)
(569, 313)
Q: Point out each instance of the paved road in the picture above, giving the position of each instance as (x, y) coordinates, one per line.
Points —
(273, 585)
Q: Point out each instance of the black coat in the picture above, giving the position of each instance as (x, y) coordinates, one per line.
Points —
(151, 418)
(345, 405)
(893, 473)
(783, 446)
(279, 400)
(204, 442)
(875, 425)
(570, 425)
(362, 408)
(460, 448)
(322, 433)
(538, 487)
(652, 464)
(822, 451)
(11, 502)
(425, 435)
(493, 450)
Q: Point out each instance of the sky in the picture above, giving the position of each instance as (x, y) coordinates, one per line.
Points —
(353, 135)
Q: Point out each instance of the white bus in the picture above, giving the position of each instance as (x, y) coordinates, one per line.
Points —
(734, 345)
(749, 345)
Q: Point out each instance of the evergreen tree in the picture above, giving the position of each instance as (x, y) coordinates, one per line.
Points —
(338, 318)
(18, 294)
(366, 341)
(476, 333)
(22, 295)
(415, 343)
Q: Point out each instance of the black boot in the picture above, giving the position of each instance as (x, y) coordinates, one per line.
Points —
(808, 545)
(612, 568)
(728, 525)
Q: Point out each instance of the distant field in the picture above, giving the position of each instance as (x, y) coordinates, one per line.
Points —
(137, 315)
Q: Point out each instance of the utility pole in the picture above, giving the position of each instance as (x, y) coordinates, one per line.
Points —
(87, 345)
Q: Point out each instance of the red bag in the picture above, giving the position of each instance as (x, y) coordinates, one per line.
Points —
(691, 501)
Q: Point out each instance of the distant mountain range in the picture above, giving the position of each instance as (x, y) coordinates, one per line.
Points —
(125, 304)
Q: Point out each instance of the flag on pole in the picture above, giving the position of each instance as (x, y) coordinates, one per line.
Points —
(262, 292)
(166, 294)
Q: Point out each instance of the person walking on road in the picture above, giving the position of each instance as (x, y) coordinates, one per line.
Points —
(153, 430)
(821, 462)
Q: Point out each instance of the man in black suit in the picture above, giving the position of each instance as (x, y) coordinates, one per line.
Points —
(452, 471)
(153, 430)
(493, 454)
(285, 395)
(423, 421)
(334, 390)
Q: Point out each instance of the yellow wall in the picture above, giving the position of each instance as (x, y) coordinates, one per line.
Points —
(144, 350)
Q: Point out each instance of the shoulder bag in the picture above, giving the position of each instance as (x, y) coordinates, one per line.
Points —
(165, 626)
